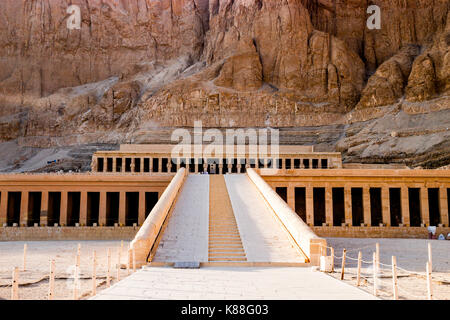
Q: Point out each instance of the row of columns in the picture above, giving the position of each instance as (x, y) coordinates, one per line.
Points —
(385, 203)
(205, 164)
(24, 214)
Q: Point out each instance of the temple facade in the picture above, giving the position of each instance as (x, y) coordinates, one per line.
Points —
(331, 197)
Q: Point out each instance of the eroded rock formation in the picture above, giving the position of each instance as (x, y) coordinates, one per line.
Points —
(137, 66)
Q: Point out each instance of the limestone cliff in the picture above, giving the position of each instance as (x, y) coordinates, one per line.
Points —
(137, 68)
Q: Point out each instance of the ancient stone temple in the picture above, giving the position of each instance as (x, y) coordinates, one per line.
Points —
(238, 201)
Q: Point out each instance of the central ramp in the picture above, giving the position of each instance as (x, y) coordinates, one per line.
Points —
(225, 220)
(263, 235)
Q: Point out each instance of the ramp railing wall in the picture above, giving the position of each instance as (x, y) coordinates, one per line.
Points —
(301, 233)
(148, 233)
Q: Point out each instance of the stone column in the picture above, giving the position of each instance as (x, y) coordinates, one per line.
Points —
(319, 163)
(83, 208)
(348, 205)
(405, 206)
(102, 209)
(122, 217)
(94, 164)
(24, 209)
(44, 209)
(309, 205)
(366, 206)
(3, 208)
(150, 164)
(141, 216)
(169, 165)
(247, 163)
(291, 197)
(329, 205)
(124, 164)
(132, 166)
(63, 213)
(443, 204)
(302, 165)
(385, 206)
(229, 166)
(105, 164)
(160, 168)
(114, 168)
(424, 209)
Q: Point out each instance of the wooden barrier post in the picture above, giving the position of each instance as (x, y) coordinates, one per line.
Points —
(343, 264)
(15, 284)
(429, 287)
(430, 257)
(377, 250)
(108, 271)
(128, 261)
(118, 264)
(374, 256)
(134, 259)
(94, 273)
(358, 276)
(51, 281)
(76, 275)
(394, 278)
(25, 256)
(332, 259)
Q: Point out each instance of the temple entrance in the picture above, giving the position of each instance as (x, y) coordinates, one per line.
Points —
(14, 199)
(338, 207)
(414, 207)
(73, 208)
(433, 205)
(34, 207)
(396, 206)
(112, 208)
(54, 208)
(376, 214)
(300, 203)
(319, 206)
(357, 207)
(93, 206)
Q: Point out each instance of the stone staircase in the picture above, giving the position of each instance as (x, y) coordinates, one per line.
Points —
(225, 243)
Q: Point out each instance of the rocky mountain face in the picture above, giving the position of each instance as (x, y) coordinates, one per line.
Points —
(136, 69)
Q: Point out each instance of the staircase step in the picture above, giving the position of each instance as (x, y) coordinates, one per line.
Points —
(224, 238)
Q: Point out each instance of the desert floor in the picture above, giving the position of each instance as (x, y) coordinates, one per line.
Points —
(411, 254)
(411, 257)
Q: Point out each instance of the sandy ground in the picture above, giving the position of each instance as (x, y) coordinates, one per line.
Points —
(411, 254)
(33, 282)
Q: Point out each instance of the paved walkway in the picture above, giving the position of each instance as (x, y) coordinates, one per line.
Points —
(210, 283)
(186, 235)
(263, 235)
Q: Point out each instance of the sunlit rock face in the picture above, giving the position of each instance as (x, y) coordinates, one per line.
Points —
(137, 68)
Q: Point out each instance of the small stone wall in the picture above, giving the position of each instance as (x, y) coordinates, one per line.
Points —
(377, 232)
(67, 233)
